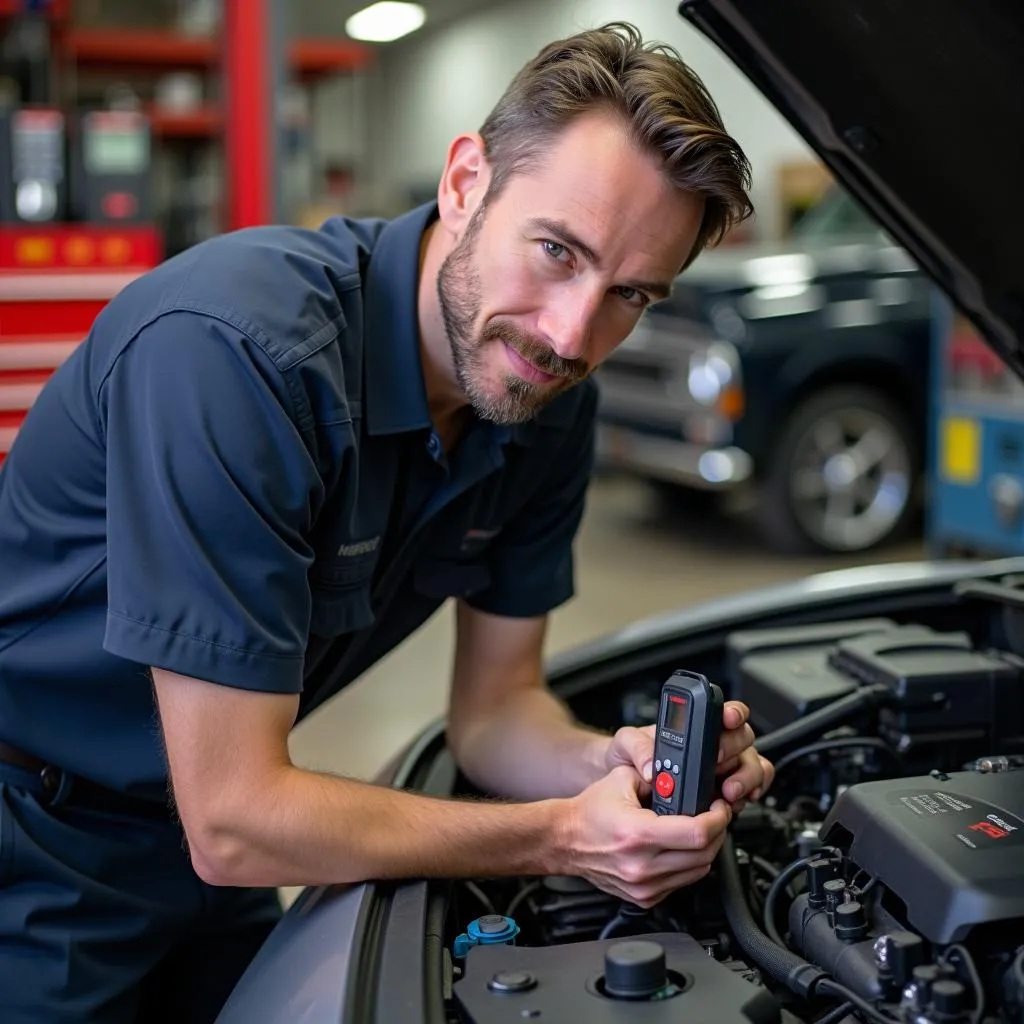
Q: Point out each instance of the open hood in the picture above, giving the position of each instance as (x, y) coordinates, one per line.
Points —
(918, 110)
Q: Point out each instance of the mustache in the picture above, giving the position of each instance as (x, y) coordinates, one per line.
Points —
(536, 352)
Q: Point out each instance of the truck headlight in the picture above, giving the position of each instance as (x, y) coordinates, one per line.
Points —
(713, 379)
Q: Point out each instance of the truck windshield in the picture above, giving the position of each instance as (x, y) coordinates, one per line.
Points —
(835, 215)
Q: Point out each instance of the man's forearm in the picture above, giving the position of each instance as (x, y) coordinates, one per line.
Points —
(305, 828)
(531, 749)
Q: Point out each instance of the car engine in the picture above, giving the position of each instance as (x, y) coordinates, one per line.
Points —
(881, 880)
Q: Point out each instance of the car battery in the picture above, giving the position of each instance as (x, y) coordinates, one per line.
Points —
(783, 674)
(949, 695)
(112, 168)
(33, 182)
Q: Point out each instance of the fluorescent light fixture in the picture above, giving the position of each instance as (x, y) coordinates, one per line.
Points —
(385, 21)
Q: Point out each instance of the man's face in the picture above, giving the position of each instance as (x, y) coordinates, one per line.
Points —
(549, 278)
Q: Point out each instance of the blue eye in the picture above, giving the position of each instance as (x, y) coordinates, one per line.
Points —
(633, 296)
(555, 250)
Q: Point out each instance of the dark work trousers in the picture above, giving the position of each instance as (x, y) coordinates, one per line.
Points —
(104, 921)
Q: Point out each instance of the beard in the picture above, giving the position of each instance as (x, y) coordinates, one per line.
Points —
(513, 400)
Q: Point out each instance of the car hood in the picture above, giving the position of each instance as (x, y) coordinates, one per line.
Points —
(916, 110)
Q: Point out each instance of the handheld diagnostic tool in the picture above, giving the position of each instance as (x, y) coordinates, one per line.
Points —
(686, 744)
(112, 166)
(33, 185)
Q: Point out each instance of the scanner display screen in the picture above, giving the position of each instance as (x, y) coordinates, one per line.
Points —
(675, 714)
(110, 151)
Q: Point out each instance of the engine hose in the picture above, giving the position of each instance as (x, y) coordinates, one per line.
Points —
(817, 722)
(782, 879)
(840, 743)
(842, 1011)
(785, 967)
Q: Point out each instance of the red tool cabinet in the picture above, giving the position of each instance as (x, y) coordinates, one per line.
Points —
(53, 283)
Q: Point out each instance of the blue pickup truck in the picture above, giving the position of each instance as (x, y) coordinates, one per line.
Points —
(796, 371)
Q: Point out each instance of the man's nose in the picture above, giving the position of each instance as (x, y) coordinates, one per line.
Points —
(568, 323)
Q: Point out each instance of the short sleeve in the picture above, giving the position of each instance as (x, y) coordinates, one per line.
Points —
(211, 491)
(531, 560)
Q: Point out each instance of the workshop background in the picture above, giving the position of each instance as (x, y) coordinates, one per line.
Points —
(805, 402)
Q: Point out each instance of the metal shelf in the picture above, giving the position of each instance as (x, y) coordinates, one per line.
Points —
(119, 49)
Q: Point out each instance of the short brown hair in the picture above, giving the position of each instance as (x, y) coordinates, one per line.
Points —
(666, 108)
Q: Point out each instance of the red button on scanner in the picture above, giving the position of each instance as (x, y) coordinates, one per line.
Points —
(665, 785)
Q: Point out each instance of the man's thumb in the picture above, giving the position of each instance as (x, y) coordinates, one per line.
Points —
(641, 753)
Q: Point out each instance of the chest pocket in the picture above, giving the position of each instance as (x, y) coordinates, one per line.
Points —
(341, 590)
(456, 565)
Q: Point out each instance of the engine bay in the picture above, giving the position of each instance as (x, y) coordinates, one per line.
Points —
(880, 880)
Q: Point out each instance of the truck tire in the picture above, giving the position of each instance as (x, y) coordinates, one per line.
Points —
(844, 474)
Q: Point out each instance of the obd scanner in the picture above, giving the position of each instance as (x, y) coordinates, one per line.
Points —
(686, 744)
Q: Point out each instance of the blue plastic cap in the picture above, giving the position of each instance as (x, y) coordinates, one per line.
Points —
(492, 929)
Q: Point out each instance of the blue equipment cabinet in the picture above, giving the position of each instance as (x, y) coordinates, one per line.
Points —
(976, 492)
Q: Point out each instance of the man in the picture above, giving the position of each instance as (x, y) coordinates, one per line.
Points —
(274, 457)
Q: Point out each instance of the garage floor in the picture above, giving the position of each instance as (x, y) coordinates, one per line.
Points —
(636, 555)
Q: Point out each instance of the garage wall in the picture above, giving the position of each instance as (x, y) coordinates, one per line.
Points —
(426, 90)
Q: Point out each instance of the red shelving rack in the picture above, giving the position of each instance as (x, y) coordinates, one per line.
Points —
(55, 279)
(130, 49)
(243, 50)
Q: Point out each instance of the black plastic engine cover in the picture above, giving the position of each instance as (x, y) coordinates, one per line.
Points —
(950, 847)
(784, 674)
(566, 987)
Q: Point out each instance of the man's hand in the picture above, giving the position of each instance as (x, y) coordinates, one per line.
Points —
(633, 853)
(748, 775)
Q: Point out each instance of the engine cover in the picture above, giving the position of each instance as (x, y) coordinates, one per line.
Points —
(564, 983)
(950, 846)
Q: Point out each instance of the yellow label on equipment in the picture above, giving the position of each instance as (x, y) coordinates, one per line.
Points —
(961, 450)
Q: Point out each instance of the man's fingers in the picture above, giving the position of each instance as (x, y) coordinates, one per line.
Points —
(749, 776)
(734, 741)
(673, 862)
(636, 747)
(734, 714)
(679, 832)
(650, 894)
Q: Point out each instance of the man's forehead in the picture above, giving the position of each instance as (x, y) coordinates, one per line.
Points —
(620, 203)
(610, 235)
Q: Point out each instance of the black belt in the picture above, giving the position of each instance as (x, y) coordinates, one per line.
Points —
(55, 787)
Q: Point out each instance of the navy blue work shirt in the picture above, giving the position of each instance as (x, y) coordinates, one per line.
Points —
(206, 486)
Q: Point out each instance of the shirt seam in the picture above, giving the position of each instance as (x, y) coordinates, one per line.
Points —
(203, 640)
(301, 409)
(317, 340)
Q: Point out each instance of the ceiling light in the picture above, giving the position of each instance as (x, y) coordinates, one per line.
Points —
(385, 21)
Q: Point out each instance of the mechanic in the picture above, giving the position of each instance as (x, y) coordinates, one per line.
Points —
(275, 456)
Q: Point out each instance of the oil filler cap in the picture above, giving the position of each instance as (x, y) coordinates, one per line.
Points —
(634, 969)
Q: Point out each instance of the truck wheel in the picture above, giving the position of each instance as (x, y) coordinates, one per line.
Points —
(843, 476)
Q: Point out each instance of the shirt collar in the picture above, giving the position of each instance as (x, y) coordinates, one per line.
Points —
(395, 391)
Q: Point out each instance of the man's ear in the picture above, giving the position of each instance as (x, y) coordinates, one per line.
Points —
(464, 182)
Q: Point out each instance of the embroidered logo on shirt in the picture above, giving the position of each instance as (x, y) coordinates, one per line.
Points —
(358, 547)
(474, 540)
(481, 534)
